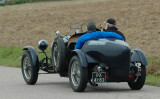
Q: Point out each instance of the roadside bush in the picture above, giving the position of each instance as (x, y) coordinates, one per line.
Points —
(13, 2)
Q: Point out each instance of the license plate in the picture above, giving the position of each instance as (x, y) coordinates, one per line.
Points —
(99, 77)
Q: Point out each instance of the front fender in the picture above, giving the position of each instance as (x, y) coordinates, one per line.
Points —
(139, 56)
(82, 57)
(33, 54)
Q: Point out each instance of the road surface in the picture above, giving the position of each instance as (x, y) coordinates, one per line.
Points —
(51, 86)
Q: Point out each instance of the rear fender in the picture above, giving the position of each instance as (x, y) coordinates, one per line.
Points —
(82, 57)
(139, 56)
(33, 53)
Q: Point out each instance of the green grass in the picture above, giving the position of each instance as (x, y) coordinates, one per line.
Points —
(11, 56)
(154, 66)
(152, 80)
(153, 59)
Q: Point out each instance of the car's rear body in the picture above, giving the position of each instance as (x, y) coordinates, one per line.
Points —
(111, 53)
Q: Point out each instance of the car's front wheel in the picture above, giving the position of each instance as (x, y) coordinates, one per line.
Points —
(78, 76)
(59, 56)
(29, 72)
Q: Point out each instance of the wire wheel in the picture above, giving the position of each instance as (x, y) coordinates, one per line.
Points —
(78, 76)
(59, 56)
(56, 55)
(75, 73)
(27, 67)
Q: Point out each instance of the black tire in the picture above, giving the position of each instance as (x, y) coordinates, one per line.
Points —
(29, 72)
(59, 60)
(138, 83)
(83, 75)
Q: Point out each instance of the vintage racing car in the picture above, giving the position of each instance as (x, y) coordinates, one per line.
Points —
(99, 61)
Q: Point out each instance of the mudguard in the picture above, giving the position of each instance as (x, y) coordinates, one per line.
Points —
(82, 57)
(33, 54)
(139, 56)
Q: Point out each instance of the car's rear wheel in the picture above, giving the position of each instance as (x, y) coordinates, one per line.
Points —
(138, 81)
(78, 76)
(29, 72)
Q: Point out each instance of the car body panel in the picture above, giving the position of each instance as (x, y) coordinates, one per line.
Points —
(139, 56)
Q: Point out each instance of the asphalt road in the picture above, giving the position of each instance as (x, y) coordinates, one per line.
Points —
(51, 86)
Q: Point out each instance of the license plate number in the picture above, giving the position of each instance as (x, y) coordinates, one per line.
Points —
(99, 77)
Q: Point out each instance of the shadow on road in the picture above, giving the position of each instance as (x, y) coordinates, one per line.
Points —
(106, 89)
(100, 89)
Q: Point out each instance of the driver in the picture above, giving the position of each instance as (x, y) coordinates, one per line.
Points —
(92, 34)
(91, 27)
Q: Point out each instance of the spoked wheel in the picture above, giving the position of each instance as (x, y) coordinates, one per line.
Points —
(78, 76)
(29, 72)
(75, 73)
(138, 81)
(27, 68)
(59, 56)
(56, 56)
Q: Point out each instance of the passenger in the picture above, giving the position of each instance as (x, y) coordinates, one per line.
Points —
(111, 27)
(92, 34)
(92, 27)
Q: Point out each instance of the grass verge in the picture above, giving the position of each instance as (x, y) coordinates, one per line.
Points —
(11, 56)
(154, 66)
(152, 80)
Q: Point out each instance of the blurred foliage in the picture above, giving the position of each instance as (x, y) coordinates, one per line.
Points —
(13, 2)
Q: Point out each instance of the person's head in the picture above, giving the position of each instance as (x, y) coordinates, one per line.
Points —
(110, 23)
(91, 27)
